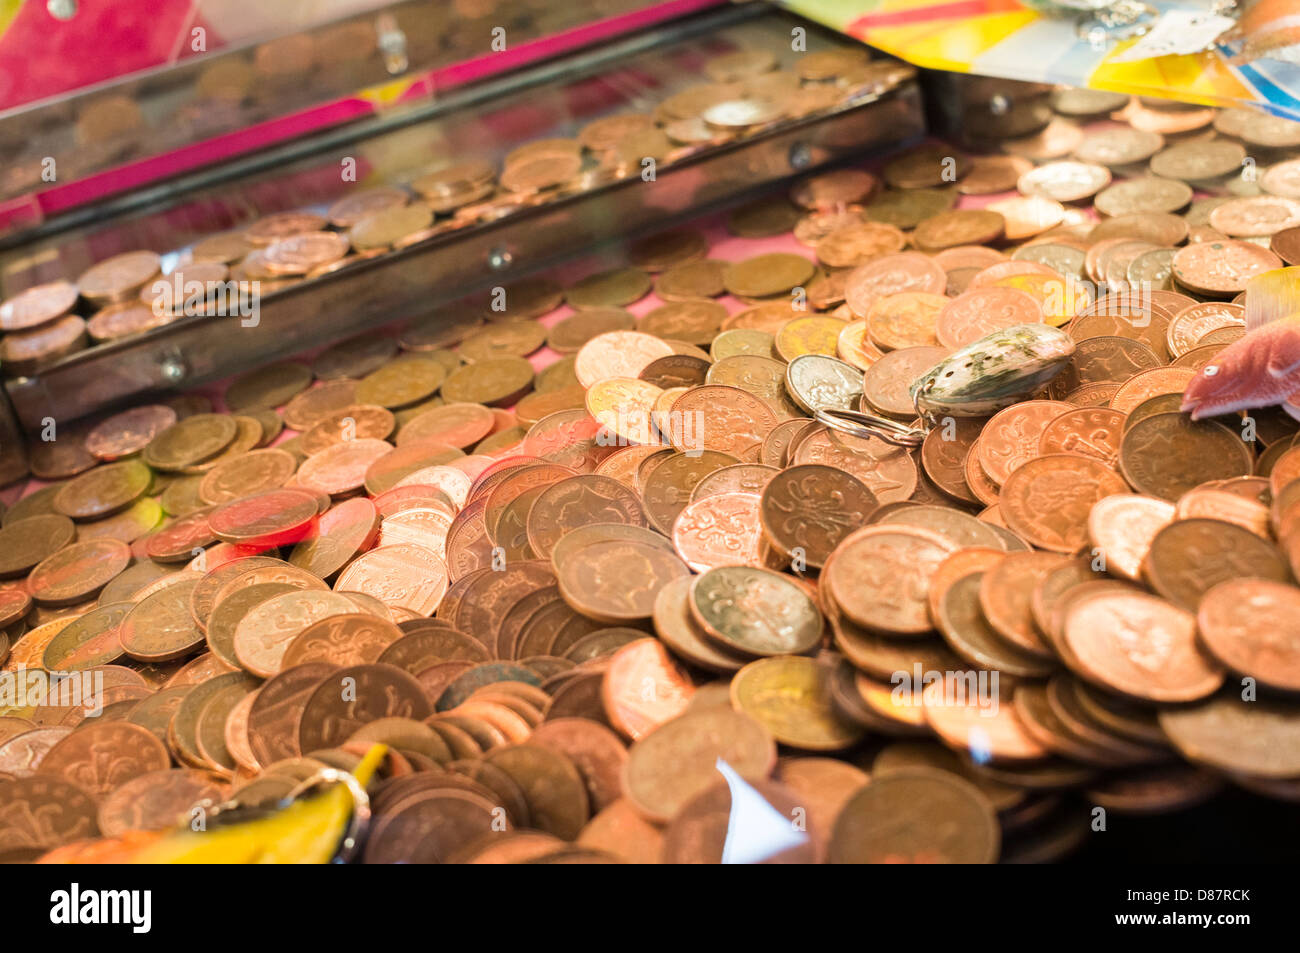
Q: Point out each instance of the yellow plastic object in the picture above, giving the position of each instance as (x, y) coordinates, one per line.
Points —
(308, 831)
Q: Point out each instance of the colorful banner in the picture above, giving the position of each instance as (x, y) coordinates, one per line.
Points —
(1005, 38)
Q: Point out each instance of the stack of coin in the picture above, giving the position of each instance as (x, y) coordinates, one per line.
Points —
(285, 247)
(562, 595)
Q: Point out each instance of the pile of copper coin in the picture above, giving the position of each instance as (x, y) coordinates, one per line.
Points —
(573, 544)
(747, 92)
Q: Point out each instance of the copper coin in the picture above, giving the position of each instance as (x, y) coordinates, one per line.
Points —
(880, 575)
(395, 465)
(357, 422)
(1005, 593)
(271, 518)
(26, 542)
(342, 467)
(594, 578)
(1141, 646)
(423, 648)
(190, 441)
(980, 311)
(349, 698)
(892, 820)
(342, 532)
(1048, 499)
(1189, 557)
(806, 511)
(643, 688)
(1011, 436)
(77, 572)
(160, 626)
(25, 352)
(967, 631)
(101, 757)
(454, 425)
(45, 812)
(104, 490)
(37, 305)
(676, 762)
(1221, 268)
(495, 382)
(264, 632)
(892, 274)
(967, 722)
(129, 431)
(887, 382)
(1248, 625)
(577, 501)
(349, 639)
(118, 277)
(667, 489)
(735, 605)
(157, 800)
(1167, 454)
(402, 575)
(679, 630)
(698, 834)
(275, 712)
(721, 530)
(1256, 738)
(1122, 526)
(203, 598)
(223, 623)
(1088, 431)
(87, 641)
(943, 454)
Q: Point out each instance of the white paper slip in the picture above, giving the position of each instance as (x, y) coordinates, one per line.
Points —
(1175, 33)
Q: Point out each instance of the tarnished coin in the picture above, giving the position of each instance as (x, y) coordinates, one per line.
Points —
(26, 542)
(104, 490)
(737, 606)
(160, 627)
(1258, 738)
(89, 640)
(791, 697)
(578, 501)
(349, 698)
(129, 431)
(1167, 454)
(77, 572)
(806, 511)
(1189, 557)
(917, 815)
(190, 441)
(678, 760)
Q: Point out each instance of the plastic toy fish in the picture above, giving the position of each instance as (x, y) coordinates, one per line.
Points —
(996, 371)
(1263, 368)
(315, 829)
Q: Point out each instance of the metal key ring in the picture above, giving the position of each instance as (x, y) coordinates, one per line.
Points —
(858, 424)
(360, 818)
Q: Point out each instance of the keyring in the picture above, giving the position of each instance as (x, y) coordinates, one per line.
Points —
(360, 818)
(858, 424)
